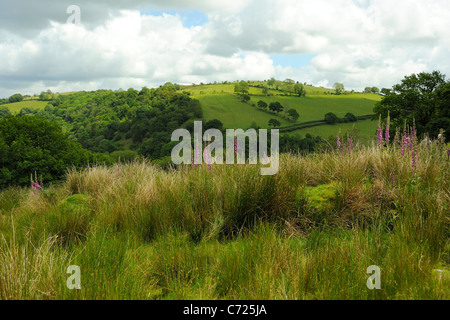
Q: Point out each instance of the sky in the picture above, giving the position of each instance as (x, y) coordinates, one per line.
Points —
(136, 43)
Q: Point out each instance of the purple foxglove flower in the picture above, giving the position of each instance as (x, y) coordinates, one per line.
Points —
(37, 186)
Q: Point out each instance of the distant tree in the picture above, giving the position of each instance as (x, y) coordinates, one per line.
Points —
(293, 114)
(274, 123)
(288, 87)
(271, 82)
(265, 91)
(350, 117)
(422, 97)
(367, 90)
(276, 107)
(300, 90)
(339, 87)
(46, 95)
(385, 91)
(15, 98)
(26, 111)
(331, 118)
(262, 105)
(245, 97)
(213, 124)
(290, 81)
(4, 111)
(106, 146)
(375, 90)
(241, 87)
(152, 147)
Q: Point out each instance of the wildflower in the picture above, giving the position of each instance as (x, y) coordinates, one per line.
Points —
(350, 144)
(379, 137)
(37, 186)
(405, 143)
(206, 157)
(386, 136)
(118, 169)
(338, 141)
(197, 155)
(392, 178)
(414, 159)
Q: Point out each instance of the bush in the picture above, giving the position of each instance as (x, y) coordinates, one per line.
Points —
(15, 98)
(4, 111)
(245, 97)
(350, 117)
(331, 118)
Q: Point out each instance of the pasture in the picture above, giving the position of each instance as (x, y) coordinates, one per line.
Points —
(32, 104)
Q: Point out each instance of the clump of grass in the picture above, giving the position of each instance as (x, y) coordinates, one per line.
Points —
(29, 272)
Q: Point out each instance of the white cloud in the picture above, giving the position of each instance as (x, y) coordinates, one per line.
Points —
(357, 42)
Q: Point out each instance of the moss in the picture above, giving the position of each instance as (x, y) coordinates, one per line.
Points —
(75, 201)
(322, 197)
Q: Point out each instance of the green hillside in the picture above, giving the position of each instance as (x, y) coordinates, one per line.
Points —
(219, 102)
(233, 113)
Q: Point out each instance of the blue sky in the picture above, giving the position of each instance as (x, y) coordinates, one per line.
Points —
(292, 60)
(189, 18)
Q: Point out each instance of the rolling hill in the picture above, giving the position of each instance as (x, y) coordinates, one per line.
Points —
(219, 102)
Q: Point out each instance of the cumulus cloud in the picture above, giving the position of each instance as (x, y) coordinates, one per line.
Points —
(120, 45)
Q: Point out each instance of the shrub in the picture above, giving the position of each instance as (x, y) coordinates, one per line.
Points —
(15, 98)
(350, 117)
(331, 118)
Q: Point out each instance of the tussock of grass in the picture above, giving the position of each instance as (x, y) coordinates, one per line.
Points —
(310, 232)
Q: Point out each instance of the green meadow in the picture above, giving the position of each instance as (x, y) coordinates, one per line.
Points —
(233, 112)
(365, 129)
(32, 104)
(219, 102)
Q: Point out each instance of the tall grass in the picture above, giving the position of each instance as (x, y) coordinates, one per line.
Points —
(309, 232)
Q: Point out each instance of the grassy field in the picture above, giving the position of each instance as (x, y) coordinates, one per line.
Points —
(32, 104)
(219, 102)
(233, 113)
(365, 129)
(309, 232)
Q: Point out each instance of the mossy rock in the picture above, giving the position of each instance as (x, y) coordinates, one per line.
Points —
(321, 198)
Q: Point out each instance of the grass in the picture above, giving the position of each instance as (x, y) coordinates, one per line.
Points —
(310, 232)
(32, 104)
(364, 128)
(233, 113)
(219, 102)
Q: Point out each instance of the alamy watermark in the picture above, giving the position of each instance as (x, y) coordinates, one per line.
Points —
(75, 15)
(235, 144)
(74, 281)
(374, 281)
